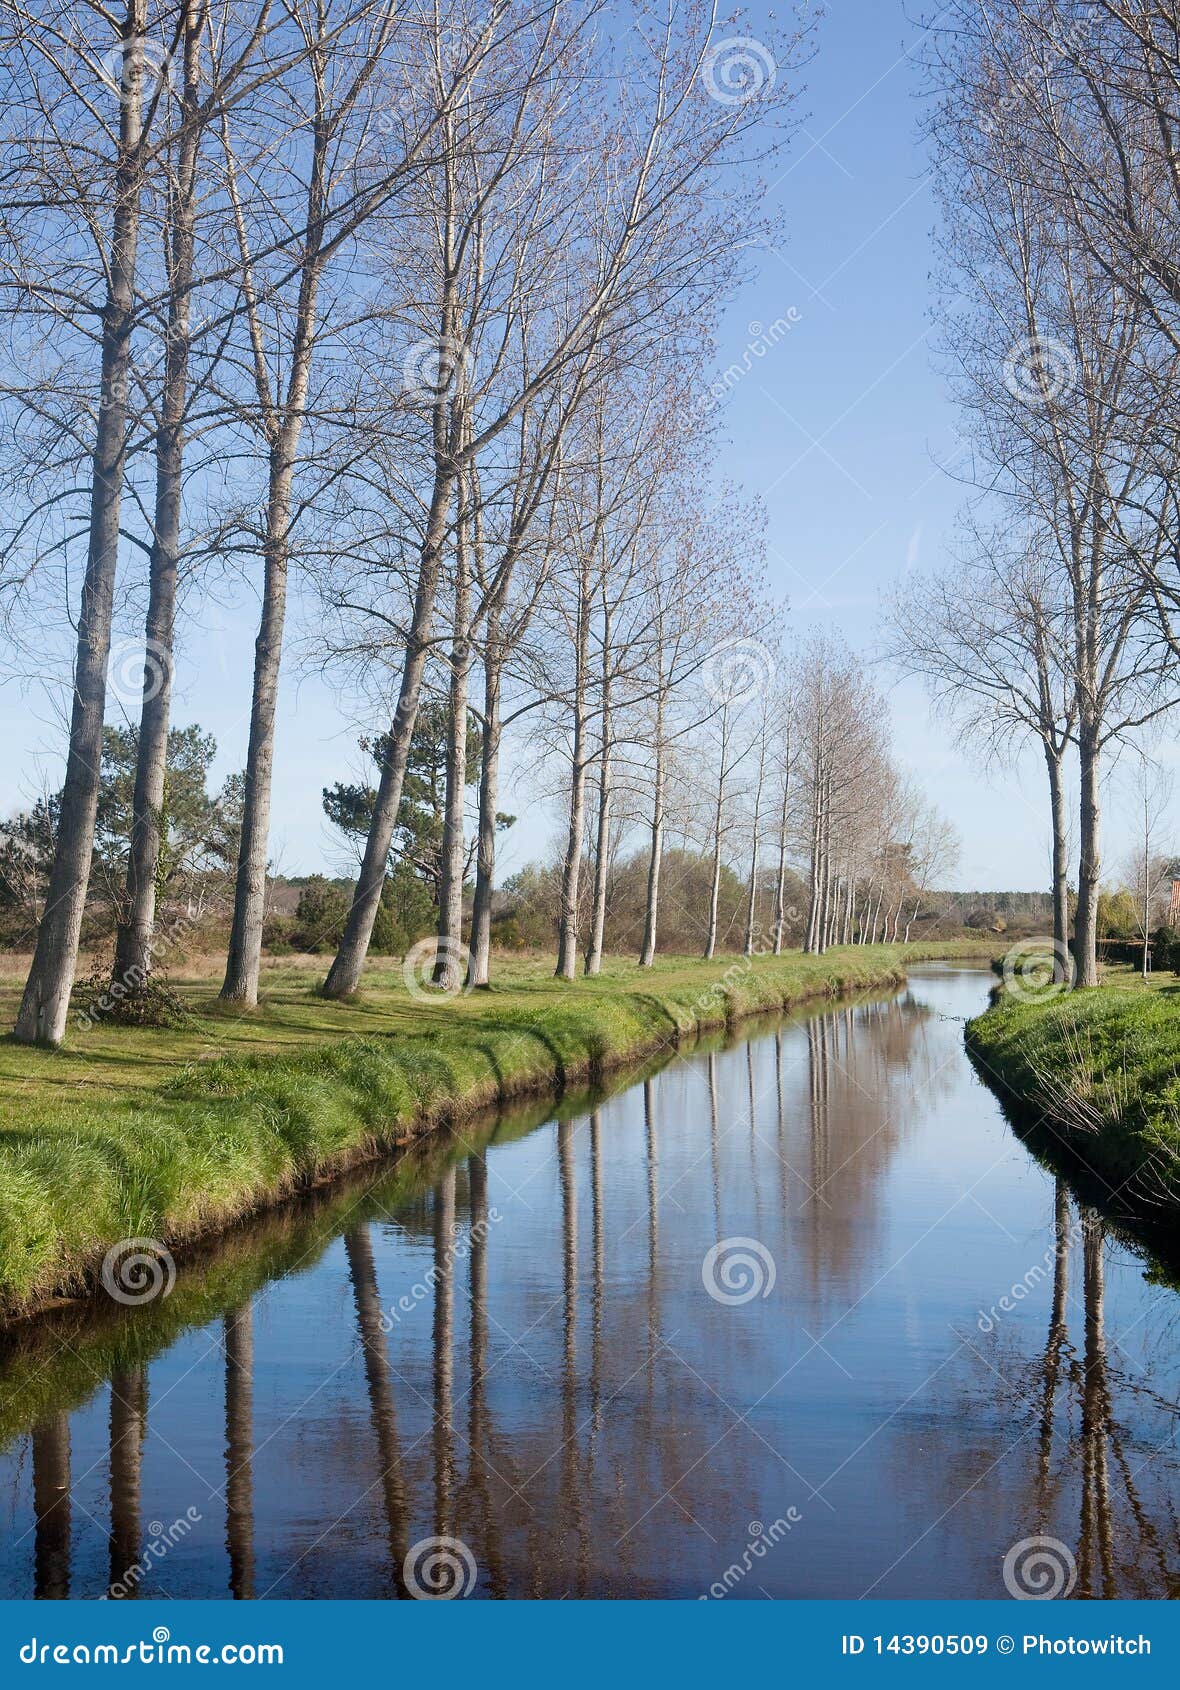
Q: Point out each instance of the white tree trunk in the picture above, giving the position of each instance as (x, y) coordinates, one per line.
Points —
(46, 1001)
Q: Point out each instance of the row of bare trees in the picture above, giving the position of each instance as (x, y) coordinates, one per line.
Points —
(767, 763)
(411, 303)
(1054, 128)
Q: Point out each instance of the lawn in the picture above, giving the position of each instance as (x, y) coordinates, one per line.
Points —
(1099, 1072)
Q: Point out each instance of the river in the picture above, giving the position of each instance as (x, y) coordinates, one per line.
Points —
(799, 1316)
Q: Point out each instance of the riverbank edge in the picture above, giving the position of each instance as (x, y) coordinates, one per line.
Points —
(1096, 1076)
(227, 1139)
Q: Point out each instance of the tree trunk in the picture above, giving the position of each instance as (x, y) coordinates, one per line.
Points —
(46, 1002)
(715, 881)
(817, 914)
(893, 925)
(245, 940)
(752, 900)
(286, 422)
(567, 941)
(448, 969)
(829, 883)
(344, 976)
(780, 890)
(1090, 865)
(489, 792)
(1060, 866)
(133, 940)
(656, 853)
(602, 839)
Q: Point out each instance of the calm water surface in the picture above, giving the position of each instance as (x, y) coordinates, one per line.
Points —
(517, 1342)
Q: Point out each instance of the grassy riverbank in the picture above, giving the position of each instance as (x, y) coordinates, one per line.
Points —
(1098, 1073)
(173, 1134)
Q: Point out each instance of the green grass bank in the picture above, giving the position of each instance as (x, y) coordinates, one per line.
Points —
(1095, 1074)
(173, 1135)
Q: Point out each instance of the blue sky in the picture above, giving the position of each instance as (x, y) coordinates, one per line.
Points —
(841, 427)
(844, 428)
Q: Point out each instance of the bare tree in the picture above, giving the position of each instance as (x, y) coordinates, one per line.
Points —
(348, 181)
(643, 231)
(60, 73)
(992, 642)
(1058, 371)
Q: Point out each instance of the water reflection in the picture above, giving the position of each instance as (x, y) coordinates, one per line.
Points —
(128, 1427)
(239, 1444)
(510, 1342)
(51, 1505)
(1103, 1477)
(382, 1405)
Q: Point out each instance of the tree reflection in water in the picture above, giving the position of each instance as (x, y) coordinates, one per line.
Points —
(562, 1393)
(1101, 1428)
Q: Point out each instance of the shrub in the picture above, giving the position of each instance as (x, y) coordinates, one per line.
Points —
(1166, 948)
(320, 915)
